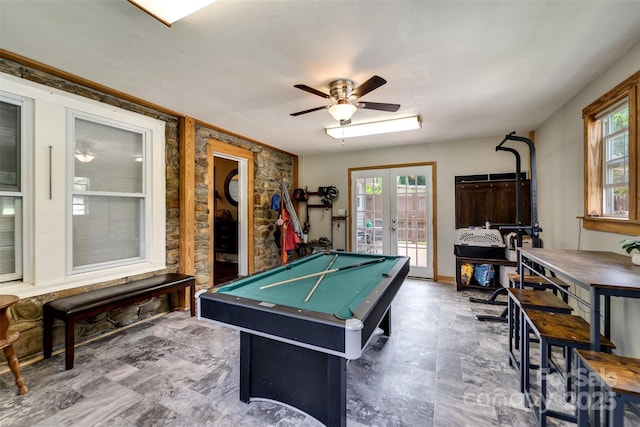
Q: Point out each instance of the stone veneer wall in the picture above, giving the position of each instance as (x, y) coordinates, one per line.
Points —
(270, 167)
(27, 313)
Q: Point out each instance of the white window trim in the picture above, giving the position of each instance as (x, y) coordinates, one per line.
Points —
(146, 179)
(48, 220)
(23, 221)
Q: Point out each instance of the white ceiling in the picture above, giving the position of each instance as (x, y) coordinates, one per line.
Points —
(468, 68)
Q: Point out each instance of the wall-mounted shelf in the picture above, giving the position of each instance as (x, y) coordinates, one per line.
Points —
(327, 205)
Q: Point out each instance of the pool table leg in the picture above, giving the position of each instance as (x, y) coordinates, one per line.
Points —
(385, 323)
(336, 391)
(312, 381)
(245, 366)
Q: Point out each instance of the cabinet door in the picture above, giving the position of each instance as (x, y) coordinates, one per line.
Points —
(504, 203)
(473, 204)
(493, 201)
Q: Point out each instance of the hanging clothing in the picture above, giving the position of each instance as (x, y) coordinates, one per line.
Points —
(290, 238)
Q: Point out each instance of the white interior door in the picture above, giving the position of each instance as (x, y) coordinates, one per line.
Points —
(243, 223)
(393, 214)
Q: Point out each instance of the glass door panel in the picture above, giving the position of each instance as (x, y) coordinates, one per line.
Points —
(393, 211)
(369, 214)
(411, 222)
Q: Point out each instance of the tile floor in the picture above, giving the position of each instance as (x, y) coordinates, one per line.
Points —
(440, 367)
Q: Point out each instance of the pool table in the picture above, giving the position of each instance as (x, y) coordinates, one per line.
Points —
(295, 352)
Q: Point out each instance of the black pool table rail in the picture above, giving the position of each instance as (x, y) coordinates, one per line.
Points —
(311, 329)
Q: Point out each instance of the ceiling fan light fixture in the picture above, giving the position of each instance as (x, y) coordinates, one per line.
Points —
(342, 110)
(375, 128)
(84, 156)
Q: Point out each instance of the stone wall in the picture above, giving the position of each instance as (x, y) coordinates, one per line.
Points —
(270, 165)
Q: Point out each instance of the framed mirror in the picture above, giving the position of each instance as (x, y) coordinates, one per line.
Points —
(231, 188)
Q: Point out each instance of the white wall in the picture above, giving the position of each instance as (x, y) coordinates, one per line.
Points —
(559, 144)
(452, 158)
(559, 152)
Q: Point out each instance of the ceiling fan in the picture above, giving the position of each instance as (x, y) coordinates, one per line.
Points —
(344, 93)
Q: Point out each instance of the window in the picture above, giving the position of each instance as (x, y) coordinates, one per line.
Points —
(615, 142)
(13, 137)
(95, 175)
(612, 173)
(108, 193)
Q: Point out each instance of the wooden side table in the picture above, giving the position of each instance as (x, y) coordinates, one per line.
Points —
(7, 340)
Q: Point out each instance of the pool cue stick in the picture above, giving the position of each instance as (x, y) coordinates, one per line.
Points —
(335, 270)
(335, 257)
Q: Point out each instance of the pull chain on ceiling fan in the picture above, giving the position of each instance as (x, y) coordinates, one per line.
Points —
(344, 93)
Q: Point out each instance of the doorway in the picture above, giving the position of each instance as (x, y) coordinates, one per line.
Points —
(226, 208)
(393, 214)
(231, 212)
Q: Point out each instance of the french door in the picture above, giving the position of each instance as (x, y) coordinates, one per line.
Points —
(393, 214)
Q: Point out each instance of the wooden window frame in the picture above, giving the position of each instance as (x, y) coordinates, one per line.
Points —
(593, 158)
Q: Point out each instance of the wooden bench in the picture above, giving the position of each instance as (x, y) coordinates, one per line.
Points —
(82, 306)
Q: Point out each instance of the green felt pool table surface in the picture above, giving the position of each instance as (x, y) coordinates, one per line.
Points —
(339, 293)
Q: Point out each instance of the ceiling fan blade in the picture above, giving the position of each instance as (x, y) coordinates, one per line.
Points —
(312, 90)
(373, 83)
(309, 111)
(382, 106)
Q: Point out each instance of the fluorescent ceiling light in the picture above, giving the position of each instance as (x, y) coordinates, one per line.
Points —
(169, 11)
(375, 128)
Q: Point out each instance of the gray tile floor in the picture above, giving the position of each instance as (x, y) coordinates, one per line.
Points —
(440, 367)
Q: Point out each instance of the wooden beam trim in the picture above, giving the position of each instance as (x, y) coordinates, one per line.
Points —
(244, 138)
(187, 195)
(634, 153)
(187, 203)
(83, 82)
(612, 96)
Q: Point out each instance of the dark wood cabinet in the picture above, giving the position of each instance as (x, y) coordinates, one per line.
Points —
(479, 200)
(226, 237)
(493, 201)
(473, 204)
(226, 249)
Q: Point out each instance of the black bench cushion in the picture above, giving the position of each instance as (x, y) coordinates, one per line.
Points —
(99, 297)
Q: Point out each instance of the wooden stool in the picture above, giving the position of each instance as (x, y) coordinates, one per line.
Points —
(619, 375)
(559, 329)
(530, 299)
(540, 283)
(6, 341)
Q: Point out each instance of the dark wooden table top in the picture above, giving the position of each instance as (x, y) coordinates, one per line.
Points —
(589, 268)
